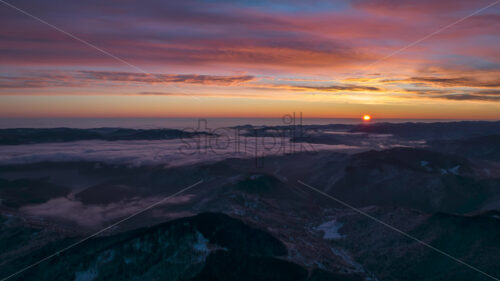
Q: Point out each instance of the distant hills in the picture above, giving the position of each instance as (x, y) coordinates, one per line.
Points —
(32, 136)
(438, 130)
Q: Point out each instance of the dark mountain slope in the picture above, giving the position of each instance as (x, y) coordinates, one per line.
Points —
(392, 256)
(483, 147)
(209, 246)
(412, 178)
(20, 192)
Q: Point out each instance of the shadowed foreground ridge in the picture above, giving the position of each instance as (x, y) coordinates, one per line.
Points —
(208, 246)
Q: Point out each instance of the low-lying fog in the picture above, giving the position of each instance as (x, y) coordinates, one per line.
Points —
(176, 152)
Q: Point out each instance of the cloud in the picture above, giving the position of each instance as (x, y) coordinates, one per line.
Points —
(455, 82)
(167, 78)
(181, 33)
(320, 39)
(337, 88)
(163, 94)
(39, 81)
(489, 96)
(91, 216)
(318, 88)
(86, 78)
(204, 94)
(225, 34)
(405, 8)
(477, 97)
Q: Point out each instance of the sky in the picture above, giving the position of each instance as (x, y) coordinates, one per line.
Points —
(250, 58)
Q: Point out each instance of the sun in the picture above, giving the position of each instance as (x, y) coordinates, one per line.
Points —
(367, 117)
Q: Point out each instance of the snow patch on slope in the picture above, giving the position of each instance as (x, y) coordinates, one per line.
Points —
(330, 230)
